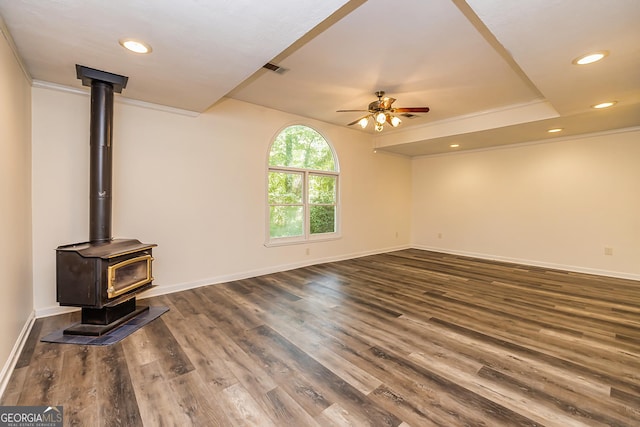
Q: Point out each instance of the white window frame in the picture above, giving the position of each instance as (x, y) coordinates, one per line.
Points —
(306, 236)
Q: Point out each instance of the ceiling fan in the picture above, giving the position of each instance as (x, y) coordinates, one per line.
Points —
(381, 111)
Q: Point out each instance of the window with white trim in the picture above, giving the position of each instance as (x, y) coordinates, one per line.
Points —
(302, 187)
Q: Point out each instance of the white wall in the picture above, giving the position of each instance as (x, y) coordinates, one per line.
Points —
(16, 306)
(196, 187)
(554, 204)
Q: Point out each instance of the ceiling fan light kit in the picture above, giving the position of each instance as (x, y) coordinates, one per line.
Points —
(382, 112)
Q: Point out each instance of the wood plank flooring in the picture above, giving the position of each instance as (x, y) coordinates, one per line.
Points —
(408, 338)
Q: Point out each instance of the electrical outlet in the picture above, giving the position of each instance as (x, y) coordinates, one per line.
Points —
(307, 251)
(608, 250)
(439, 235)
(396, 234)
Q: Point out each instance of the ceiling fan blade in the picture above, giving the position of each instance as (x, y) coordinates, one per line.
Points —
(357, 120)
(386, 103)
(350, 111)
(411, 110)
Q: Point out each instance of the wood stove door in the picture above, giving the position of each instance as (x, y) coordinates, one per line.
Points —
(128, 275)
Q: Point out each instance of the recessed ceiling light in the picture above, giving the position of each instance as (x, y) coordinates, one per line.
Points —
(454, 145)
(555, 130)
(590, 58)
(604, 105)
(135, 46)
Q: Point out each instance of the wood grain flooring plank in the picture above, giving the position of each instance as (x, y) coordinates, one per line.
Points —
(337, 416)
(53, 323)
(285, 411)
(242, 409)
(139, 348)
(188, 303)
(330, 384)
(275, 290)
(198, 400)
(43, 377)
(253, 376)
(583, 370)
(29, 346)
(201, 347)
(527, 402)
(225, 313)
(412, 412)
(312, 343)
(310, 339)
(588, 414)
(293, 382)
(114, 389)
(315, 317)
(295, 282)
(78, 386)
(444, 401)
(573, 389)
(628, 398)
(157, 405)
(374, 307)
(167, 349)
(563, 339)
(510, 331)
(14, 387)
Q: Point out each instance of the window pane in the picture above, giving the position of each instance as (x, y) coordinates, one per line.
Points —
(322, 219)
(322, 189)
(301, 147)
(285, 188)
(285, 221)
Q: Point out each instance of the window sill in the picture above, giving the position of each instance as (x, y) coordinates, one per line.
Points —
(301, 241)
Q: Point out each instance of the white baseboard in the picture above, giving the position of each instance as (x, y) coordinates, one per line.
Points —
(164, 290)
(169, 289)
(533, 263)
(54, 310)
(10, 364)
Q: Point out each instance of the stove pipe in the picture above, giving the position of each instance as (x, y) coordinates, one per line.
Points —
(103, 85)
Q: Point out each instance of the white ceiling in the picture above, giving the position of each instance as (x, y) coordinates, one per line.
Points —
(492, 71)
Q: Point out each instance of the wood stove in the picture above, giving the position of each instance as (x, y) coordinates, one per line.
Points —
(104, 275)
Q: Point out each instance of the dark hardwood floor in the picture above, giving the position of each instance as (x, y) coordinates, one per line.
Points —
(410, 338)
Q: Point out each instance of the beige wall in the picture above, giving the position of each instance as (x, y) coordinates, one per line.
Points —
(196, 187)
(554, 204)
(16, 306)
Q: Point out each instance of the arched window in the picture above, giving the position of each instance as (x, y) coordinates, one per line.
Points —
(302, 187)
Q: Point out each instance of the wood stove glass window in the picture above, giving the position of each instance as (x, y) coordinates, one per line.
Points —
(303, 187)
(128, 275)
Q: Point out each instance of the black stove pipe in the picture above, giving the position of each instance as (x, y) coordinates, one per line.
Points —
(103, 85)
(100, 161)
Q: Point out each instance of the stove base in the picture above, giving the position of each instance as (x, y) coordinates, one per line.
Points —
(97, 322)
(112, 337)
